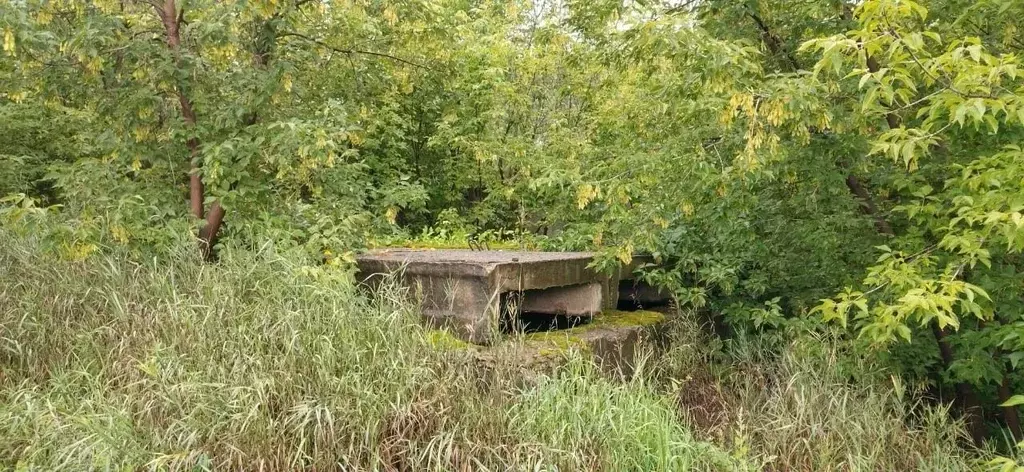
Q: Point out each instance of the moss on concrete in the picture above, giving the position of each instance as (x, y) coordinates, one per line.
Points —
(625, 318)
(562, 340)
(551, 343)
(559, 341)
(443, 339)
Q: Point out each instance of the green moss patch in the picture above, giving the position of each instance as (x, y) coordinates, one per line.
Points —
(565, 339)
(625, 318)
(445, 340)
(557, 341)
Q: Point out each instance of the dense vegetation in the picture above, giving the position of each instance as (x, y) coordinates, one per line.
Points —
(835, 187)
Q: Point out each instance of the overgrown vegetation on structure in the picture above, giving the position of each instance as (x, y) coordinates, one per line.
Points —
(831, 190)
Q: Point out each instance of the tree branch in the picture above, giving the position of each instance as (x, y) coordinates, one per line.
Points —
(772, 40)
(353, 51)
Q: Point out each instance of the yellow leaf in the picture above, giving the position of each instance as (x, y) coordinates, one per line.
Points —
(355, 139)
(391, 214)
(585, 194)
(9, 41)
(625, 253)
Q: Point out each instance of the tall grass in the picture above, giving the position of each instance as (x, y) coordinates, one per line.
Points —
(262, 363)
(814, 406)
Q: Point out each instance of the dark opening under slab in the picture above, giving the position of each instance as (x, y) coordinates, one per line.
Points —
(638, 295)
(550, 308)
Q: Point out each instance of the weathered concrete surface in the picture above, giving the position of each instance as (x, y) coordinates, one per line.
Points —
(511, 270)
(472, 291)
(465, 289)
(572, 300)
(613, 340)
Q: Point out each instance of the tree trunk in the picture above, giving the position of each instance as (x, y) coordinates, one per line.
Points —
(1009, 412)
(171, 20)
(891, 118)
(210, 229)
(867, 204)
(1003, 392)
(973, 414)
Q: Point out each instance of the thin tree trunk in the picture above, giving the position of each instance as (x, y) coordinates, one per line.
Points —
(772, 40)
(1010, 414)
(171, 20)
(891, 118)
(208, 234)
(1003, 392)
(867, 204)
(972, 411)
(973, 414)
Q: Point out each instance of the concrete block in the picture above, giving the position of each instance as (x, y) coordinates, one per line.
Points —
(464, 289)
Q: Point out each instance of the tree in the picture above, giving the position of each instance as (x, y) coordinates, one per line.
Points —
(225, 98)
(957, 251)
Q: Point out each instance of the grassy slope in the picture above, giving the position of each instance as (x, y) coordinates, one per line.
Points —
(258, 362)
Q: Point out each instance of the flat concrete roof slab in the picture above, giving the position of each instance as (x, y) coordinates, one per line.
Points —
(471, 257)
(507, 270)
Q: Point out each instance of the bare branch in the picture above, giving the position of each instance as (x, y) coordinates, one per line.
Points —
(353, 51)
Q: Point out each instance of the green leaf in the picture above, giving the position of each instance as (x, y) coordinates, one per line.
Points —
(1013, 401)
(904, 332)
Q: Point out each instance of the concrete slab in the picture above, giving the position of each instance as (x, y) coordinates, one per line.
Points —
(469, 291)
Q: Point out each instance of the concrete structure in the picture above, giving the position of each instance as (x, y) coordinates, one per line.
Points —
(615, 340)
(472, 292)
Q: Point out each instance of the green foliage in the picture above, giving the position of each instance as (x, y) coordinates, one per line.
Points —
(852, 162)
(953, 103)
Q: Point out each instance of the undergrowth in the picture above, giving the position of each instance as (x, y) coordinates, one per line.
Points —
(810, 404)
(261, 362)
